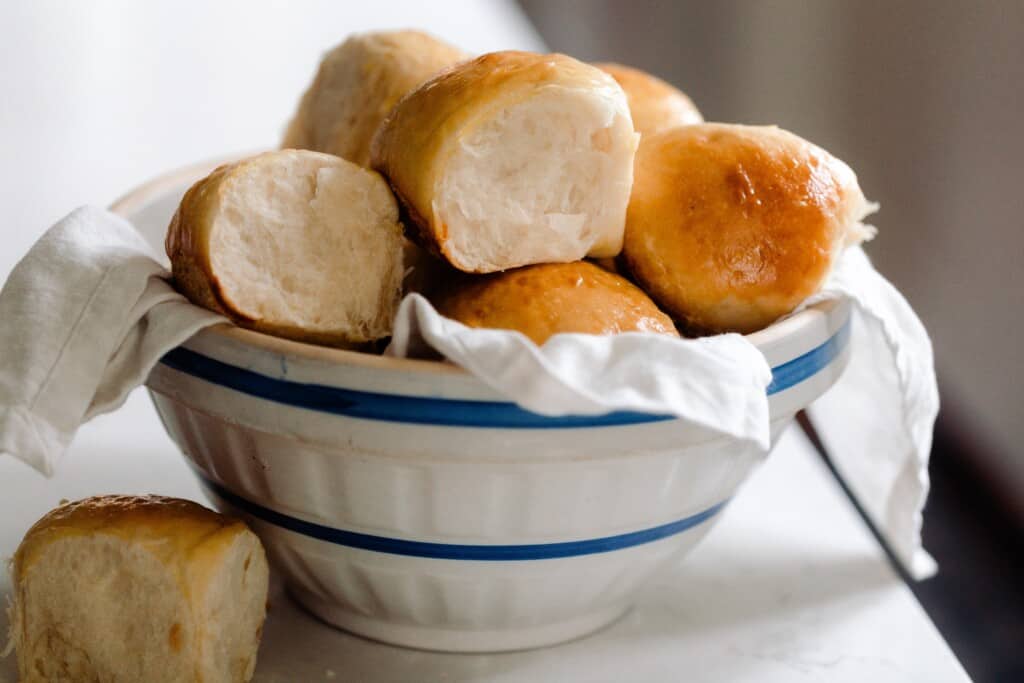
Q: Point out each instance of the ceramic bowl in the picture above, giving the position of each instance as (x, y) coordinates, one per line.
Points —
(405, 501)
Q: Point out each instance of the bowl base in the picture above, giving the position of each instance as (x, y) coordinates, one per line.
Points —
(457, 640)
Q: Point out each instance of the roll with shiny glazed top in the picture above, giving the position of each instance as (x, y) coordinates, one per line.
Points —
(510, 159)
(731, 227)
(552, 298)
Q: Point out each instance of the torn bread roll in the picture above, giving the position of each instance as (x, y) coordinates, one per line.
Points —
(123, 589)
(293, 243)
(553, 298)
(654, 104)
(510, 159)
(356, 86)
(731, 227)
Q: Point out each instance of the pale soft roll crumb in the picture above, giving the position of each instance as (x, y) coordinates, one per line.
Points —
(731, 227)
(120, 589)
(541, 181)
(295, 243)
(511, 159)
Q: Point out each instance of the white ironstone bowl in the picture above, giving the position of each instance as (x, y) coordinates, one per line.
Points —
(406, 501)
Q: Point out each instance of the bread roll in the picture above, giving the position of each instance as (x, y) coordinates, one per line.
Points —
(730, 227)
(510, 159)
(356, 86)
(551, 298)
(654, 104)
(294, 243)
(123, 589)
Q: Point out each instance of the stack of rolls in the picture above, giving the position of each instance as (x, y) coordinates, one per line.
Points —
(511, 174)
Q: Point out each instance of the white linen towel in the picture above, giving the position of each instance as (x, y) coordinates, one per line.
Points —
(83, 319)
(88, 312)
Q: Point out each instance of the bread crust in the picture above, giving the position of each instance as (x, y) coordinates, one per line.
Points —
(187, 243)
(135, 544)
(357, 84)
(654, 104)
(424, 129)
(188, 247)
(730, 227)
(551, 298)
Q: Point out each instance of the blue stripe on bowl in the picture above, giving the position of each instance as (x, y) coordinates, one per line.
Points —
(800, 368)
(456, 551)
(371, 405)
(448, 412)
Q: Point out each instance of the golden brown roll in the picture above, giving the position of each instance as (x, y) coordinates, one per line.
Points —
(547, 299)
(356, 86)
(293, 243)
(510, 159)
(124, 589)
(654, 104)
(730, 227)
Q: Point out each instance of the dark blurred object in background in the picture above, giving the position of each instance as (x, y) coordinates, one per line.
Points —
(923, 99)
(977, 599)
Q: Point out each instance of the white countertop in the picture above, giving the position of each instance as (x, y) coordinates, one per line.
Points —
(101, 96)
(789, 586)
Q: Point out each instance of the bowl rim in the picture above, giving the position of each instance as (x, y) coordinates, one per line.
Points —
(134, 199)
